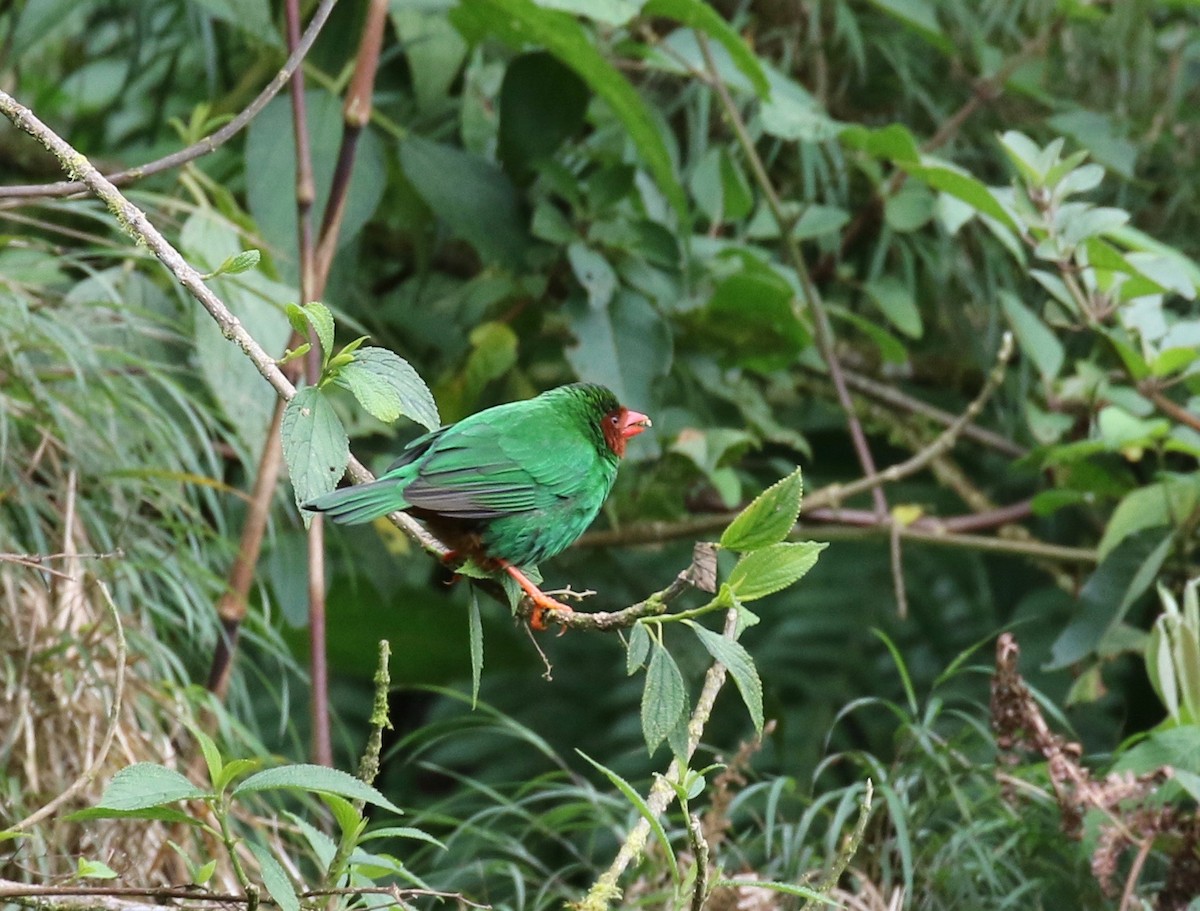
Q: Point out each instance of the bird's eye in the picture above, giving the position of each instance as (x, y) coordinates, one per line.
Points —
(613, 420)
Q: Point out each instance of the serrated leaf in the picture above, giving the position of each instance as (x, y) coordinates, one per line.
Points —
(233, 265)
(146, 784)
(664, 699)
(317, 315)
(740, 666)
(275, 879)
(387, 386)
(769, 518)
(638, 648)
(315, 779)
(766, 571)
(475, 632)
(315, 446)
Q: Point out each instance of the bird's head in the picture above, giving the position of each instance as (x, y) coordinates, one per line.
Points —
(619, 425)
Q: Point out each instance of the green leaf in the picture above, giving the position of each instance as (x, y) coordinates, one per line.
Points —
(315, 779)
(625, 347)
(475, 633)
(895, 300)
(769, 518)
(246, 400)
(275, 879)
(949, 178)
(471, 195)
(766, 571)
(1162, 504)
(93, 869)
(1173, 360)
(542, 104)
(890, 347)
(740, 666)
(433, 49)
(147, 784)
(162, 814)
(643, 808)
(700, 16)
(749, 320)
(809, 895)
(270, 175)
(204, 872)
(235, 264)
(212, 756)
(920, 16)
(910, 209)
(315, 446)
(350, 820)
(638, 648)
(664, 699)
(317, 315)
(387, 387)
(1034, 336)
(594, 273)
(521, 22)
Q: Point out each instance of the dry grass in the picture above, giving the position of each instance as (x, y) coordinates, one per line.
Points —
(60, 653)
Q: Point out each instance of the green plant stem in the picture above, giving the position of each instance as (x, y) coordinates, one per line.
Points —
(605, 890)
(221, 810)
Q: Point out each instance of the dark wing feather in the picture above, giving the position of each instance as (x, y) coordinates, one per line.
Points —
(512, 459)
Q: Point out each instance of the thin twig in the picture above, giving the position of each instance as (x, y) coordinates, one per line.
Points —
(209, 143)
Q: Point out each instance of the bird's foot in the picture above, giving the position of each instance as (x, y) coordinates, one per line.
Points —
(542, 602)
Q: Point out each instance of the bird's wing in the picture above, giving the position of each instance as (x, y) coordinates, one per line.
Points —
(520, 460)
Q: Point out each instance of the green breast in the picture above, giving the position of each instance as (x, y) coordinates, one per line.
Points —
(539, 534)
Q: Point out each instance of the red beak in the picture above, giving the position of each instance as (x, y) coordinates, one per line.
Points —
(633, 423)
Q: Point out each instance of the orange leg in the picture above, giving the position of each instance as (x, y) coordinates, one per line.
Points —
(541, 601)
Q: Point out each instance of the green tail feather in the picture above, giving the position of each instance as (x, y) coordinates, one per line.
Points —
(361, 503)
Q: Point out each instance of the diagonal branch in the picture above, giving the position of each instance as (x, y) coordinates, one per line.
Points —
(135, 223)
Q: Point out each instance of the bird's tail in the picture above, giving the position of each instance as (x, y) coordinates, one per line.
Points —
(360, 503)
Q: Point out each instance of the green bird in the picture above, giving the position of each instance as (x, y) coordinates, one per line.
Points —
(508, 486)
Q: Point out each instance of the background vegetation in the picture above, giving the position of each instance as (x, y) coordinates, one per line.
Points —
(795, 234)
